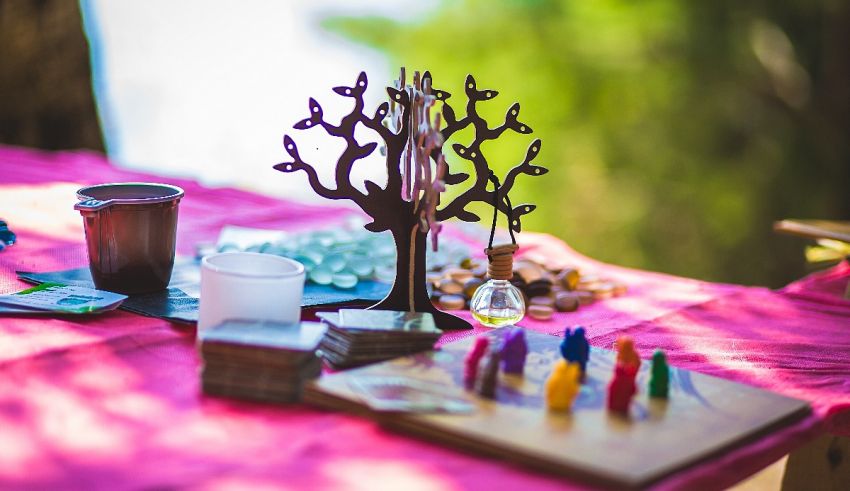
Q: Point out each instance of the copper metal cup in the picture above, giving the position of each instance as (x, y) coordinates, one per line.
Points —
(131, 232)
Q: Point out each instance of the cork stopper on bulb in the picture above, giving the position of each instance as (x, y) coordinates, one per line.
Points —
(501, 261)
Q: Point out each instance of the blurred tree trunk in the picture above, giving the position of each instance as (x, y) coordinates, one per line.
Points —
(46, 98)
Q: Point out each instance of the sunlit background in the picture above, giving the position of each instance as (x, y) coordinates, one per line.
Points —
(675, 132)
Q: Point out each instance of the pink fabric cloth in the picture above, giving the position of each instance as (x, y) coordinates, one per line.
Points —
(113, 401)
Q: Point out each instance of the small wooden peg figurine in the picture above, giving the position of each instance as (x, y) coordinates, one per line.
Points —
(659, 379)
(488, 379)
(472, 360)
(563, 385)
(626, 354)
(514, 352)
(622, 388)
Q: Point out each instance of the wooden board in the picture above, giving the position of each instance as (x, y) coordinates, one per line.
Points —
(704, 415)
(815, 229)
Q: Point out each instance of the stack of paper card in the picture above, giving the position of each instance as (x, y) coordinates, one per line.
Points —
(53, 298)
(357, 337)
(260, 360)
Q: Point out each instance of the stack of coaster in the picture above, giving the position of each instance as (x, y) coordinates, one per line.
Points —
(359, 337)
(260, 360)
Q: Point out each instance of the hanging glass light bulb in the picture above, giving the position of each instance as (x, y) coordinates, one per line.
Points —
(497, 302)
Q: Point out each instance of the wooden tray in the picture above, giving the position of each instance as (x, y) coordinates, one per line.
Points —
(704, 415)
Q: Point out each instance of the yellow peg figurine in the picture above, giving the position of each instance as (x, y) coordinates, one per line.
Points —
(563, 385)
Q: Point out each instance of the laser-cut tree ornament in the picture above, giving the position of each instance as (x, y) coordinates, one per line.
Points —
(417, 174)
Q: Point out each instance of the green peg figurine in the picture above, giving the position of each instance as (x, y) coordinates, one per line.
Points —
(659, 380)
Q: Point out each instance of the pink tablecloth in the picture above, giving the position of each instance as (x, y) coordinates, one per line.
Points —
(113, 401)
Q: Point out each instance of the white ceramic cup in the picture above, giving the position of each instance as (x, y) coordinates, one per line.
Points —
(248, 285)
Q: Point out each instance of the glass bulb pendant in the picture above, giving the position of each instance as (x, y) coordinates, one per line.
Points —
(497, 303)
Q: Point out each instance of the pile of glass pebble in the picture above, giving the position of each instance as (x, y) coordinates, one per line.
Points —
(343, 256)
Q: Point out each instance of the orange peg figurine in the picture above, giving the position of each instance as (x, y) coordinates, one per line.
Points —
(626, 354)
(563, 385)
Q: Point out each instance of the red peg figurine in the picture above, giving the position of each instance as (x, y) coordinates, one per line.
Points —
(473, 359)
(622, 388)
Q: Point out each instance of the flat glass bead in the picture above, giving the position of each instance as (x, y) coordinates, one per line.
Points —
(266, 247)
(384, 250)
(344, 280)
(342, 237)
(361, 251)
(325, 239)
(361, 266)
(334, 262)
(321, 275)
(308, 263)
(385, 274)
(314, 255)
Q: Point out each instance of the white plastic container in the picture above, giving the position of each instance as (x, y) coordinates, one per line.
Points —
(248, 285)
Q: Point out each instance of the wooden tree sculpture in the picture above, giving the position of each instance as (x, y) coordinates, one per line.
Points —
(417, 173)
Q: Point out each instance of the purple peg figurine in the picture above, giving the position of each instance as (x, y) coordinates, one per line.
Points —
(514, 351)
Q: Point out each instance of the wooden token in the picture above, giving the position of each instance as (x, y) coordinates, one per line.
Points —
(603, 290)
(566, 302)
(458, 275)
(568, 278)
(539, 288)
(450, 287)
(433, 278)
(547, 301)
(587, 286)
(452, 302)
(584, 298)
(589, 278)
(529, 271)
(540, 312)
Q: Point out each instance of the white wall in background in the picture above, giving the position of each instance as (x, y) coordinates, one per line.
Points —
(206, 88)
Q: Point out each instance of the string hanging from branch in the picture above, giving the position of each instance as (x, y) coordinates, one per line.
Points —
(500, 258)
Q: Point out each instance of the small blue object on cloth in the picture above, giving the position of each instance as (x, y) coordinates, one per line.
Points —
(7, 237)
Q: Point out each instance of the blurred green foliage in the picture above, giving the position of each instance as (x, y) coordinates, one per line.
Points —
(675, 132)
